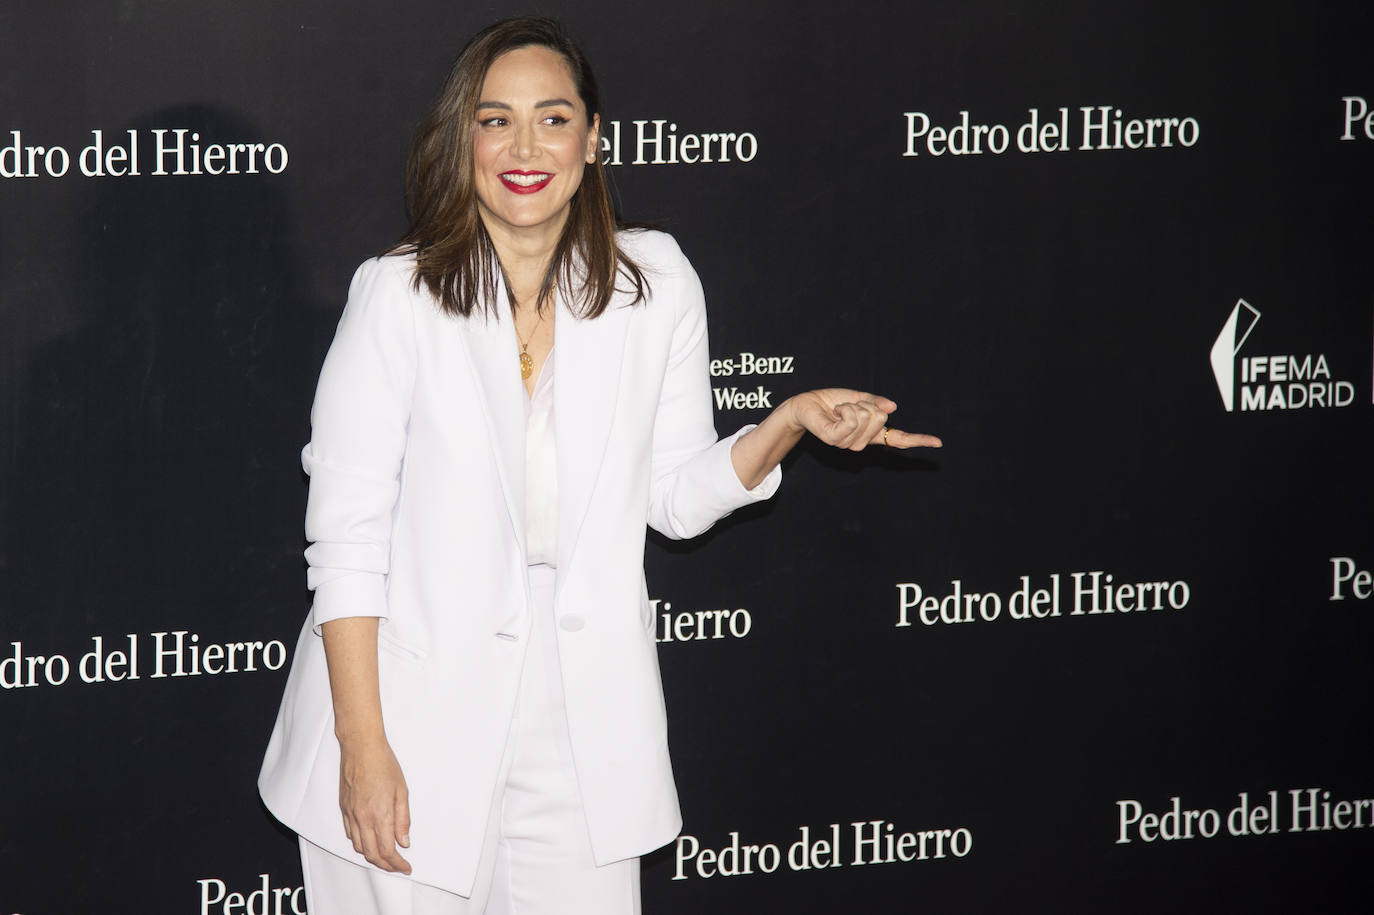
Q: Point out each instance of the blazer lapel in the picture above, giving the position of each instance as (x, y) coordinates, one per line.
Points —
(586, 390)
(493, 356)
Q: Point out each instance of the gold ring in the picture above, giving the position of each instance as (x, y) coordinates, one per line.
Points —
(884, 435)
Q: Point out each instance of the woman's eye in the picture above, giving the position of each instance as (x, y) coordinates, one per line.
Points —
(555, 120)
(493, 122)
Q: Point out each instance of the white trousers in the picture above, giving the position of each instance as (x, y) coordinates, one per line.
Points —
(537, 857)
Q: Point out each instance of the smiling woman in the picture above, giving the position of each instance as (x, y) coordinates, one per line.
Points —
(533, 140)
(532, 143)
(474, 720)
(521, 91)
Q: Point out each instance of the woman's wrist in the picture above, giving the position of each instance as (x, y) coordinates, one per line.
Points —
(359, 733)
(791, 415)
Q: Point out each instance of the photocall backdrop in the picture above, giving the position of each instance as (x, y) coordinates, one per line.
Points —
(1108, 650)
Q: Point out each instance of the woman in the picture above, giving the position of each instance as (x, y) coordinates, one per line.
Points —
(477, 689)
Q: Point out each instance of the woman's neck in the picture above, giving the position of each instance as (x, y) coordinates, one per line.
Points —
(525, 260)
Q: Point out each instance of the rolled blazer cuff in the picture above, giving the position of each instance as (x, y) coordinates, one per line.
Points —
(744, 496)
(346, 594)
(715, 489)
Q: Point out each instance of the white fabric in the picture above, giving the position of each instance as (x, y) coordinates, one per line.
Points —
(416, 516)
(537, 856)
(541, 472)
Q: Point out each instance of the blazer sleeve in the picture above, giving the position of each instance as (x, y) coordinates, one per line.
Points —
(357, 444)
(693, 482)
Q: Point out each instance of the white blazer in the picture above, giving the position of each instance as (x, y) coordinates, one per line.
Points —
(416, 515)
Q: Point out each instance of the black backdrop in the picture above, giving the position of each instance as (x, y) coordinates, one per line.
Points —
(1052, 314)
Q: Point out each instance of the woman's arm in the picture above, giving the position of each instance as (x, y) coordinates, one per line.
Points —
(372, 790)
(358, 439)
(840, 417)
(692, 483)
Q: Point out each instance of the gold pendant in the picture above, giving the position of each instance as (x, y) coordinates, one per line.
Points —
(526, 365)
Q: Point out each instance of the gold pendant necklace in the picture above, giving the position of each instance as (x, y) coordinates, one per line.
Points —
(526, 360)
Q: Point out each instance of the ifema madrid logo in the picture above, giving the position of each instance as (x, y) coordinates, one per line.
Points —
(1271, 382)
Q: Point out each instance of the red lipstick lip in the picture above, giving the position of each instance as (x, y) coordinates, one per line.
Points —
(521, 188)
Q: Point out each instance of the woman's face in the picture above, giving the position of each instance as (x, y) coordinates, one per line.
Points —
(531, 142)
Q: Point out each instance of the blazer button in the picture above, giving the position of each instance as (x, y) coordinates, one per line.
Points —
(571, 622)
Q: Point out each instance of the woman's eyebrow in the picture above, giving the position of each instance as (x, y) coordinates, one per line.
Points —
(546, 103)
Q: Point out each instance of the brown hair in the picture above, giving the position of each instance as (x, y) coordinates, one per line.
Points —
(454, 256)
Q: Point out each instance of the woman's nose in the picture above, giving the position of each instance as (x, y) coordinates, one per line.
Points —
(525, 146)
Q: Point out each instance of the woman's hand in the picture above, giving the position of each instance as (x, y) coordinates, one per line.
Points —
(372, 790)
(852, 419)
(375, 803)
(837, 416)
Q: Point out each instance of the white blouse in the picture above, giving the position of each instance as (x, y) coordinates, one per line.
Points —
(541, 471)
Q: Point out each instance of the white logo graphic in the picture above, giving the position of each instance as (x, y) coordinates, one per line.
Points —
(1272, 382)
(1227, 346)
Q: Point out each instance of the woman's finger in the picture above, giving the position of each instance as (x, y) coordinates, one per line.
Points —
(845, 423)
(379, 844)
(387, 857)
(896, 438)
(402, 815)
(871, 430)
(866, 417)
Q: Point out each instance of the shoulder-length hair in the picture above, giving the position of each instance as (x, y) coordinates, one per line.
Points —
(454, 255)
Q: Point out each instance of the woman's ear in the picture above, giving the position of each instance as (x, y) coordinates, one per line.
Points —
(594, 140)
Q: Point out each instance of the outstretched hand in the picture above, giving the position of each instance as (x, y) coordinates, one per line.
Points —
(852, 419)
(840, 417)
